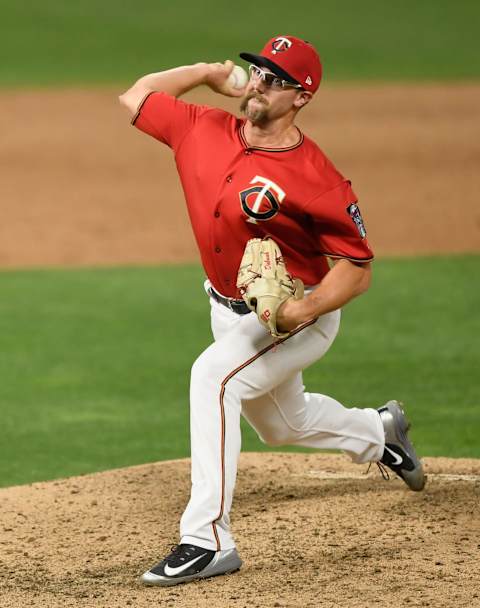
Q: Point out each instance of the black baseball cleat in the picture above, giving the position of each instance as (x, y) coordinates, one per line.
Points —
(399, 454)
(188, 563)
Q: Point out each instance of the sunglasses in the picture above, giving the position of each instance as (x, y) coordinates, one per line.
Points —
(271, 81)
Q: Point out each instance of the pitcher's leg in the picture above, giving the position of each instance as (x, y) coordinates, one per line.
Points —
(215, 404)
(287, 415)
(215, 447)
(243, 365)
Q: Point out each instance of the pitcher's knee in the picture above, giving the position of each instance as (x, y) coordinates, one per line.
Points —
(207, 368)
(217, 376)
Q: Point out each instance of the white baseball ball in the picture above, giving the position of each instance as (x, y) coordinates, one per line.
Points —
(238, 78)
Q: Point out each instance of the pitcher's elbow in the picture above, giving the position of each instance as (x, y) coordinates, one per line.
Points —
(122, 99)
(365, 280)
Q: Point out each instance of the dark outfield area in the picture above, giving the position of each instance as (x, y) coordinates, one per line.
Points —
(56, 42)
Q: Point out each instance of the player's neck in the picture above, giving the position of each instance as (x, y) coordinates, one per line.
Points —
(274, 134)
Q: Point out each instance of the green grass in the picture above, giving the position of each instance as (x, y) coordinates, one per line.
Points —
(94, 364)
(61, 42)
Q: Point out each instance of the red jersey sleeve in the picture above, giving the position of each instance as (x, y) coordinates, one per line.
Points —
(167, 118)
(338, 224)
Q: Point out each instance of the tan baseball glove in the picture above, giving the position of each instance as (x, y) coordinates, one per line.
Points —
(264, 282)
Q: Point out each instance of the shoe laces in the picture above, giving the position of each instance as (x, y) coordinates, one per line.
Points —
(383, 470)
(176, 550)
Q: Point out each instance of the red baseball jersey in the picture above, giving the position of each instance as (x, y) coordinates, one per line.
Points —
(236, 192)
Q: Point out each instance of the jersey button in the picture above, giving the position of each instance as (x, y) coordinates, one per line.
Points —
(217, 214)
(248, 152)
(229, 179)
(217, 250)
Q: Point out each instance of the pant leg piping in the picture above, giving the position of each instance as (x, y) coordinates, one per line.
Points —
(222, 415)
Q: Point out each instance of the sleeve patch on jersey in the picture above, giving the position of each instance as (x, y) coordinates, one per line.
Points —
(354, 212)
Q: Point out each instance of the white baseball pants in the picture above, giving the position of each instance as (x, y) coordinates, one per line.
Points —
(243, 372)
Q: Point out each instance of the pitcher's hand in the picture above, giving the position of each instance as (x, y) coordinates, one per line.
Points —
(217, 79)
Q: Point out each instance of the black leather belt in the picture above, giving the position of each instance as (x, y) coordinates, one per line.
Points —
(237, 306)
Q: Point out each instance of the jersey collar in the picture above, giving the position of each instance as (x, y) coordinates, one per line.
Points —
(243, 139)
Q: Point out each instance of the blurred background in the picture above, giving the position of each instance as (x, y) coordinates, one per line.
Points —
(102, 309)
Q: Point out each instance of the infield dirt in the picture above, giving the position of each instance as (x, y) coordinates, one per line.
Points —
(312, 530)
(80, 186)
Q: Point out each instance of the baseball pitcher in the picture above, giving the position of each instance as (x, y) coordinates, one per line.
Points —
(284, 248)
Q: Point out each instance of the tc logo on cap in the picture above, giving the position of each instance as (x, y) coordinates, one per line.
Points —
(280, 44)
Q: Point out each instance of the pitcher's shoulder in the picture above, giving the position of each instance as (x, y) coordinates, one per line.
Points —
(321, 163)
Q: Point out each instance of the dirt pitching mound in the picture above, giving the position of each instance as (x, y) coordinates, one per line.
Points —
(312, 530)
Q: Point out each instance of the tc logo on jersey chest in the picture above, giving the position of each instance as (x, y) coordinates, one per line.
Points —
(262, 201)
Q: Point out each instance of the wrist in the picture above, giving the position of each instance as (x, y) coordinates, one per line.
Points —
(305, 310)
(201, 71)
(208, 71)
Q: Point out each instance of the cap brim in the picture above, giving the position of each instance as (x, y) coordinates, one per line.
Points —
(264, 62)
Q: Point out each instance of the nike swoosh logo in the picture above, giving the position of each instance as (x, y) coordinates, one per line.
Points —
(179, 569)
(398, 458)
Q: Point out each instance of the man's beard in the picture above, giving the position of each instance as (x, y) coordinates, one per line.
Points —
(257, 115)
